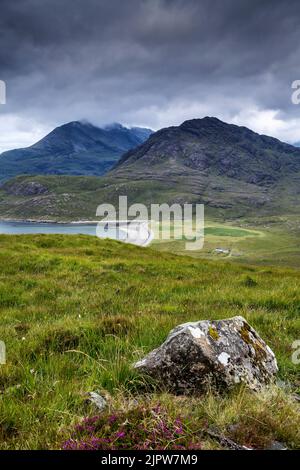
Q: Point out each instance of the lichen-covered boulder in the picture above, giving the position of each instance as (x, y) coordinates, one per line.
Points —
(219, 354)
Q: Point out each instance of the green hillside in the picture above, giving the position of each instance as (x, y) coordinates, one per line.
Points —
(77, 197)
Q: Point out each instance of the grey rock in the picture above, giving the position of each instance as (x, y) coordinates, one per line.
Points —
(97, 400)
(296, 397)
(276, 445)
(225, 441)
(220, 353)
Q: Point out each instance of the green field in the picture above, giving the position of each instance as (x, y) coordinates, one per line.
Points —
(273, 241)
(76, 312)
(228, 232)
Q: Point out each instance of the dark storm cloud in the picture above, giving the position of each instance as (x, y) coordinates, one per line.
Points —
(150, 62)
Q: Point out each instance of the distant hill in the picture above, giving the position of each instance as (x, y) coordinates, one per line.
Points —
(227, 167)
(212, 147)
(76, 148)
(234, 171)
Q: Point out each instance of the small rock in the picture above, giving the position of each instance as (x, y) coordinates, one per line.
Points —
(233, 428)
(225, 441)
(221, 353)
(281, 384)
(276, 445)
(296, 397)
(97, 400)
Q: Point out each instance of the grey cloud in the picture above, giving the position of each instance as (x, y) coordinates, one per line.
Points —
(140, 61)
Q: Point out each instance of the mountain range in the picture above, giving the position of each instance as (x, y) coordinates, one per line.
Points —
(234, 171)
(76, 148)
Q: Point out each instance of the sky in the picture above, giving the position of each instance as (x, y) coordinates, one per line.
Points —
(152, 63)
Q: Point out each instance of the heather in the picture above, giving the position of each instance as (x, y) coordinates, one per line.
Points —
(155, 422)
(144, 428)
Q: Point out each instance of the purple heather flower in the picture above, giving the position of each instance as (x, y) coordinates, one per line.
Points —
(112, 419)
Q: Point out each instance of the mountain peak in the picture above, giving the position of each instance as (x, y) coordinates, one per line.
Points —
(209, 122)
(205, 119)
(81, 123)
(222, 165)
(211, 146)
(74, 148)
(114, 126)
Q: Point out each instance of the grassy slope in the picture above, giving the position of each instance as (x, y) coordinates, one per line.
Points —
(112, 303)
(75, 197)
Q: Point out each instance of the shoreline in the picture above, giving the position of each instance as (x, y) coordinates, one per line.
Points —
(50, 221)
(66, 222)
(133, 239)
